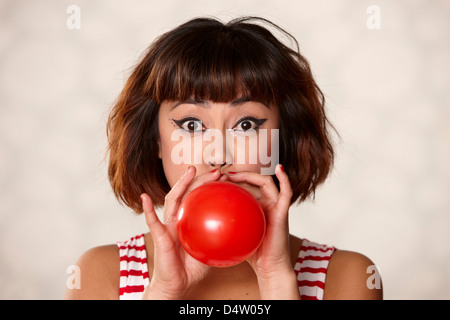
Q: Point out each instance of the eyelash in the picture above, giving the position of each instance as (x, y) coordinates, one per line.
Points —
(258, 122)
(180, 123)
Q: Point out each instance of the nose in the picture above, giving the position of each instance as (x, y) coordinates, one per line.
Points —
(220, 160)
(217, 154)
(220, 166)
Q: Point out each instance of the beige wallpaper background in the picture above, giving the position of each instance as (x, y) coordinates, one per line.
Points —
(387, 85)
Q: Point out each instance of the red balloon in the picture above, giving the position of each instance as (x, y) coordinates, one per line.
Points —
(220, 224)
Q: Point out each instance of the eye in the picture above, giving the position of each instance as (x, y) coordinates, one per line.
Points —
(189, 124)
(248, 123)
(192, 125)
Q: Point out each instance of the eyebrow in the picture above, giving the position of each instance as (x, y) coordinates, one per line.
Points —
(193, 101)
(205, 104)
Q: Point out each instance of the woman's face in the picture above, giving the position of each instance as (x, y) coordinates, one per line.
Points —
(241, 135)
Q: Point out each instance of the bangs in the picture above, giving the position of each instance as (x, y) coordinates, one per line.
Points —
(217, 64)
(204, 59)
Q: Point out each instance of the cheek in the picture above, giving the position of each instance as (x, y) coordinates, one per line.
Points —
(174, 174)
(245, 150)
(256, 151)
(172, 171)
(269, 152)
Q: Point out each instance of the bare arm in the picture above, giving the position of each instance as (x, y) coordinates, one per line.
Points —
(99, 275)
(351, 276)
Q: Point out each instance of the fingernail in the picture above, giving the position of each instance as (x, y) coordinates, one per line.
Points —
(185, 174)
(279, 169)
(214, 170)
(232, 172)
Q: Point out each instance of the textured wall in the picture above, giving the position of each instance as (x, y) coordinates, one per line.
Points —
(387, 92)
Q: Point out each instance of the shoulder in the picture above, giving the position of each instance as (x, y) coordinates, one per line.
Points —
(352, 276)
(99, 274)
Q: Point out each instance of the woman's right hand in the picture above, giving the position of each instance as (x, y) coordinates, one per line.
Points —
(174, 270)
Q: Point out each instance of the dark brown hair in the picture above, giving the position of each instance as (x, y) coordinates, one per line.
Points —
(209, 60)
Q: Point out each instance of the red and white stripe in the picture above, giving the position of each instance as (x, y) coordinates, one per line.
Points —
(311, 269)
(133, 268)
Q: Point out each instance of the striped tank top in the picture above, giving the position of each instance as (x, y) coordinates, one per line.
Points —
(311, 269)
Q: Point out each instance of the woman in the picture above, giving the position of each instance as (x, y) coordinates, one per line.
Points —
(235, 78)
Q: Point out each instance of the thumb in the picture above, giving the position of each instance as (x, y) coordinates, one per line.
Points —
(157, 230)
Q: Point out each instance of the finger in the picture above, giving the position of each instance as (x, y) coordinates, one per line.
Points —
(157, 229)
(255, 191)
(173, 197)
(214, 175)
(285, 195)
(265, 183)
(186, 184)
(162, 240)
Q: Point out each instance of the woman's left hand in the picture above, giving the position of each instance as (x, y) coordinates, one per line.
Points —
(272, 262)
